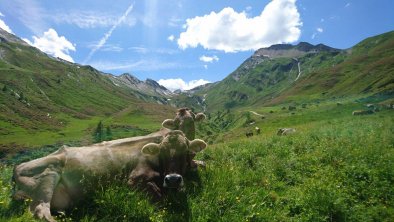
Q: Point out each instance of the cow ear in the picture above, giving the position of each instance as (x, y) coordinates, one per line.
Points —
(197, 145)
(169, 124)
(151, 149)
(200, 117)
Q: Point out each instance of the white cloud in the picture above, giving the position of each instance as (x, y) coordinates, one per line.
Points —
(209, 58)
(319, 30)
(322, 20)
(248, 8)
(174, 84)
(53, 44)
(231, 31)
(206, 66)
(4, 26)
(347, 5)
(90, 19)
(171, 38)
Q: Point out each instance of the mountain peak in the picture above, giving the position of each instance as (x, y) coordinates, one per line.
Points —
(130, 78)
(155, 84)
(292, 51)
(8, 37)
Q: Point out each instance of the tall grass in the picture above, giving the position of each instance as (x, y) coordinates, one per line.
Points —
(337, 170)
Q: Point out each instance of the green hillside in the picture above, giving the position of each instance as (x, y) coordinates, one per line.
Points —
(318, 74)
(44, 100)
(336, 167)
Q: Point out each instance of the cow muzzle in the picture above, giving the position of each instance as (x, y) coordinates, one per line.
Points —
(173, 181)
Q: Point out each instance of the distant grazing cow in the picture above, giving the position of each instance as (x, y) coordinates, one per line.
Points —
(257, 130)
(249, 134)
(285, 131)
(362, 112)
(59, 180)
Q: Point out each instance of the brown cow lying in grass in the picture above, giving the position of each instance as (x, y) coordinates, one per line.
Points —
(58, 180)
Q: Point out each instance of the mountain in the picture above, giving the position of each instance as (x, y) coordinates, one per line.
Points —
(45, 96)
(299, 73)
(149, 86)
(146, 90)
(292, 51)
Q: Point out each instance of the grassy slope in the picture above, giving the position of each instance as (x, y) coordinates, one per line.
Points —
(364, 70)
(63, 102)
(337, 167)
(367, 70)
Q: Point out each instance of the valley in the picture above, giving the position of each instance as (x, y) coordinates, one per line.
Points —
(335, 166)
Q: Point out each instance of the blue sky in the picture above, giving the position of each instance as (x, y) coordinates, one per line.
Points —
(184, 43)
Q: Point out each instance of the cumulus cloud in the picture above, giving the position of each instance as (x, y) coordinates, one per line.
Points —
(53, 44)
(174, 84)
(209, 58)
(171, 38)
(232, 31)
(319, 30)
(4, 26)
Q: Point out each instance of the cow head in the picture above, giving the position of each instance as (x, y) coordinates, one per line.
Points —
(184, 121)
(172, 153)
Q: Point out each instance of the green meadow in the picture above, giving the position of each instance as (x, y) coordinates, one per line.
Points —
(335, 167)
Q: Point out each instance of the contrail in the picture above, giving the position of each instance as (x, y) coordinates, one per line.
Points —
(108, 34)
